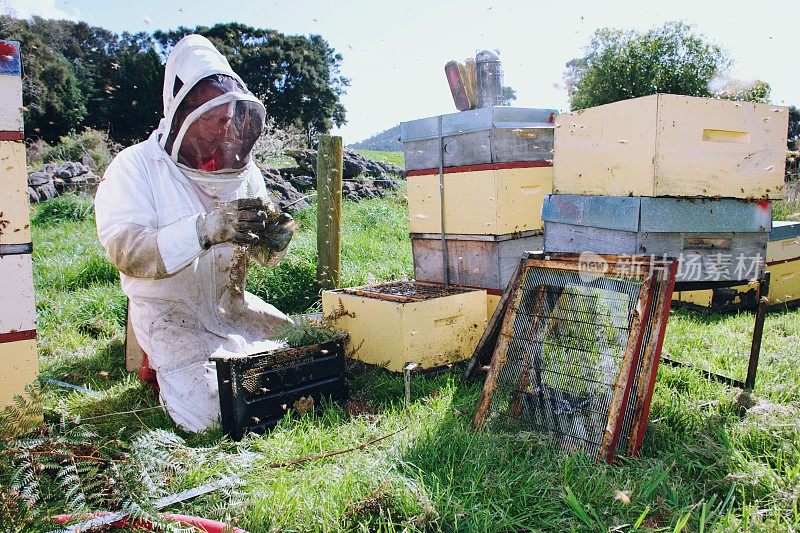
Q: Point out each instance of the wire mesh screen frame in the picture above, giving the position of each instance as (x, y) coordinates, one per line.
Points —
(558, 311)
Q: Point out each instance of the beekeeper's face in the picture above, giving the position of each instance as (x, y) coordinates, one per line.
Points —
(220, 137)
(209, 130)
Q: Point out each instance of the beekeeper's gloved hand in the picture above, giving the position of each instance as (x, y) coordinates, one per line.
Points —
(278, 230)
(240, 221)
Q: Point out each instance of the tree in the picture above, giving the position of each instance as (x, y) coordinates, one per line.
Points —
(626, 64)
(794, 128)
(53, 90)
(77, 75)
(298, 78)
(507, 95)
(131, 104)
(757, 91)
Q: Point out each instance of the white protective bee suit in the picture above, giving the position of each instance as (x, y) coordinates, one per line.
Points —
(184, 303)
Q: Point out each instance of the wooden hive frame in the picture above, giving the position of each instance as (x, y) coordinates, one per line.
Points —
(626, 406)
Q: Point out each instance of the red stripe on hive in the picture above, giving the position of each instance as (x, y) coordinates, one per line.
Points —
(7, 51)
(14, 336)
(11, 136)
(482, 166)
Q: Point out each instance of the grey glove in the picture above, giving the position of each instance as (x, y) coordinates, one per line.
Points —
(240, 221)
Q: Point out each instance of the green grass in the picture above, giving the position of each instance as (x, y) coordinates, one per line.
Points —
(395, 158)
(786, 210)
(705, 466)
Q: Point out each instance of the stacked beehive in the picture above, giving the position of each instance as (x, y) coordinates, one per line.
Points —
(477, 180)
(494, 168)
(17, 312)
(670, 175)
(783, 265)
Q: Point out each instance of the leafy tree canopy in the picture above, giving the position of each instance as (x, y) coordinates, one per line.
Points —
(76, 76)
(794, 127)
(619, 65)
(757, 91)
(507, 95)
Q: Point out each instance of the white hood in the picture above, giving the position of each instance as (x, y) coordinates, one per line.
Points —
(192, 59)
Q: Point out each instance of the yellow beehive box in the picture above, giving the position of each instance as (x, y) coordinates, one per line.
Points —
(18, 310)
(784, 282)
(503, 198)
(396, 323)
(492, 301)
(670, 145)
(14, 205)
(783, 250)
(18, 361)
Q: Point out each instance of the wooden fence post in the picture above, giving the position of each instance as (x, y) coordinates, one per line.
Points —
(329, 210)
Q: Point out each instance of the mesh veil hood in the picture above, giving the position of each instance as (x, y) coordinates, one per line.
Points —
(208, 128)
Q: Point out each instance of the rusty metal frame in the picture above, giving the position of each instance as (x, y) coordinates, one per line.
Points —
(749, 382)
(483, 350)
(650, 361)
(500, 330)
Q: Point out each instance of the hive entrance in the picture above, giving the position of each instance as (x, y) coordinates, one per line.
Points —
(577, 352)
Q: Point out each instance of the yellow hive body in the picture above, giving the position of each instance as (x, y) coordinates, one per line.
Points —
(18, 361)
(783, 250)
(483, 202)
(669, 145)
(431, 333)
(492, 301)
(701, 298)
(14, 206)
(784, 282)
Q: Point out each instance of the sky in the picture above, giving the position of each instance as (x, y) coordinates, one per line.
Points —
(395, 52)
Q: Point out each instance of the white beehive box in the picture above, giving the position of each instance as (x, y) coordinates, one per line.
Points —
(480, 261)
(10, 91)
(494, 134)
(17, 307)
(713, 239)
(670, 145)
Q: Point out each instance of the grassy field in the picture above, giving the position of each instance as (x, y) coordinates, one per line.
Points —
(708, 463)
(395, 158)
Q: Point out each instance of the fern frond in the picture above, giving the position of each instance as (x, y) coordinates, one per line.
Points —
(303, 332)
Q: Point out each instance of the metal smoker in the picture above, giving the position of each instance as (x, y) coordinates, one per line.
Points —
(489, 78)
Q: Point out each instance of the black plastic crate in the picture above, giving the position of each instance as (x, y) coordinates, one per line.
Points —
(255, 391)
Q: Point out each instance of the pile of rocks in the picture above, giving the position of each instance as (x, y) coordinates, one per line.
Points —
(362, 178)
(58, 178)
(353, 165)
(283, 191)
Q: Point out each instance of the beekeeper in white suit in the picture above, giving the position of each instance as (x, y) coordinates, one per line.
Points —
(176, 213)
